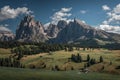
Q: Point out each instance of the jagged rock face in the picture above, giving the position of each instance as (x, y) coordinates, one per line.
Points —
(61, 24)
(77, 31)
(30, 30)
(52, 31)
(6, 36)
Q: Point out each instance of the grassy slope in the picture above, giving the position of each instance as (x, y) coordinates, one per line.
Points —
(4, 52)
(28, 74)
(60, 58)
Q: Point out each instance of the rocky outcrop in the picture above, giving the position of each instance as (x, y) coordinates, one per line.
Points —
(78, 31)
(53, 30)
(30, 30)
(6, 36)
(61, 24)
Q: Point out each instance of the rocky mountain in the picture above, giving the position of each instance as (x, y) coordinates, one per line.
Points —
(30, 30)
(61, 24)
(53, 30)
(6, 36)
(75, 32)
(79, 32)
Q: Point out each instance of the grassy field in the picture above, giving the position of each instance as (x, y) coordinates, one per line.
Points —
(4, 53)
(60, 58)
(35, 74)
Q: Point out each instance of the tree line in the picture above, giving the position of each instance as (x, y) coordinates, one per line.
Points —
(12, 44)
(10, 62)
(89, 61)
(35, 49)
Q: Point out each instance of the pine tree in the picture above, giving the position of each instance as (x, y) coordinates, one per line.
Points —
(79, 58)
(57, 68)
(70, 48)
(88, 64)
(88, 58)
(101, 59)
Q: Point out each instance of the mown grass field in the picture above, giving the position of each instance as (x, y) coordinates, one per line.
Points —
(35, 74)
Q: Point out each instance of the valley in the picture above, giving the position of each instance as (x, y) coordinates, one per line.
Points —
(59, 40)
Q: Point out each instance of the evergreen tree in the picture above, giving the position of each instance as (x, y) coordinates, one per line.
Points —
(88, 58)
(70, 48)
(88, 64)
(57, 68)
(79, 58)
(101, 59)
(92, 61)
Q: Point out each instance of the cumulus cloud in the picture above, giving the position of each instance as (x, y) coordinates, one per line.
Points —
(114, 15)
(105, 7)
(4, 28)
(9, 13)
(110, 28)
(117, 9)
(83, 11)
(63, 14)
(112, 23)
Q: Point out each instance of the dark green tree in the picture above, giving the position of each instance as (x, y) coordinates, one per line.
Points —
(101, 59)
(88, 57)
(79, 58)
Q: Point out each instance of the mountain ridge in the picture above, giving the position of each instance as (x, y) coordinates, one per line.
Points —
(77, 32)
(30, 30)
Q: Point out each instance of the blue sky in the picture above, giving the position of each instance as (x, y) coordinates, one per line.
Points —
(97, 13)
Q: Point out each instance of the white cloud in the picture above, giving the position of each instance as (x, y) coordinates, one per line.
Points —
(4, 28)
(105, 7)
(66, 9)
(63, 14)
(117, 9)
(105, 22)
(83, 11)
(110, 28)
(114, 15)
(112, 23)
(9, 13)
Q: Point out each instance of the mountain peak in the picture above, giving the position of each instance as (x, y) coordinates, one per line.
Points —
(6, 36)
(28, 18)
(78, 21)
(30, 30)
(62, 24)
